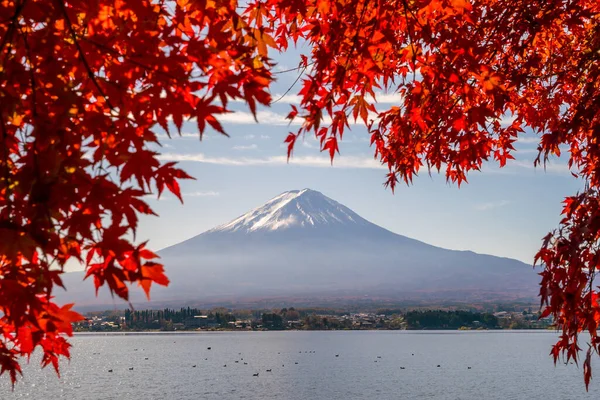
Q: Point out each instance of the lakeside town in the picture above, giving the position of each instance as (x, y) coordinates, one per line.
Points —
(192, 319)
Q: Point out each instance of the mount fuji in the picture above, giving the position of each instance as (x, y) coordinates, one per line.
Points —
(303, 244)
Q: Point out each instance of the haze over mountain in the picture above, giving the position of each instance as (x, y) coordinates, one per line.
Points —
(302, 243)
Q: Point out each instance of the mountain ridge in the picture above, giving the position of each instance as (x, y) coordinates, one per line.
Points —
(289, 209)
(303, 243)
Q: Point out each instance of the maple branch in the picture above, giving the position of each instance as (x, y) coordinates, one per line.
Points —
(410, 40)
(31, 73)
(292, 69)
(355, 39)
(5, 162)
(13, 21)
(134, 62)
(7, 40)
(290, 88)
(32, 67)
(90, 73)
(9, 33)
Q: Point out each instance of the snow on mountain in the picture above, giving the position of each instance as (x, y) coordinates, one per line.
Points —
(302, 243)
(296, 208)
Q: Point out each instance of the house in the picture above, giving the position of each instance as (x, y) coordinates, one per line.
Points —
(295, 324)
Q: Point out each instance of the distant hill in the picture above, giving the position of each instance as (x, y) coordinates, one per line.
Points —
(304, 244)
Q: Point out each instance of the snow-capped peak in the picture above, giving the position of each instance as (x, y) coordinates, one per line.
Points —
(296, 208)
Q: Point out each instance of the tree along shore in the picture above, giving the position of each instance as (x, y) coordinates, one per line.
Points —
(191, 319)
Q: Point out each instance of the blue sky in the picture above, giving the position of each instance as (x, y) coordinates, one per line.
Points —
(503, 212)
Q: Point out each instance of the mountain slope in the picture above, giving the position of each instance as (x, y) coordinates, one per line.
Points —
(302, 243)
(293, 209)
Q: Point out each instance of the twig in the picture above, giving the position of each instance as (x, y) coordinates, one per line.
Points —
(31, 73)
(139, 64)
(11, 28)
(410, 39)
(290, 88)
(292, 69)
(91, 74)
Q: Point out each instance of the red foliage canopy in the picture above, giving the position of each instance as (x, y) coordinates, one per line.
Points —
(83, 84)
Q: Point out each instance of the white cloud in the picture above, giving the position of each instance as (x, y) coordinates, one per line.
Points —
(380, 98)
(249, 137)
(308, 161)
(288, 98)
(184, 135)
(491, 205)
(272, 118)
(388, 98)
(167, 196)
(507, 120)
(248, 147)
(515, 167)
(264, 117)
(558, 168)
(281, 67)
(356, 139)
(528, 140)
(265, 137)
(201, 194)
(525, 151)
(361, 162)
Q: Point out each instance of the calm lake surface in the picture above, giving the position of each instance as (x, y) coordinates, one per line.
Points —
(504, 365)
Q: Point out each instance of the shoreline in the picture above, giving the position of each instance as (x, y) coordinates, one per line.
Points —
(404, 331)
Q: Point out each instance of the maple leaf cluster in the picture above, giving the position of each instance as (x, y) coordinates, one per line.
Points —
(85, 84)
(82, 85)
(470, 76)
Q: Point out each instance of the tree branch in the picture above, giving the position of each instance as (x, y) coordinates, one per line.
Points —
(91, 74)
(11, 28)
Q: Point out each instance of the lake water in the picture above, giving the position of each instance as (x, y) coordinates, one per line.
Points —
(504, 365)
